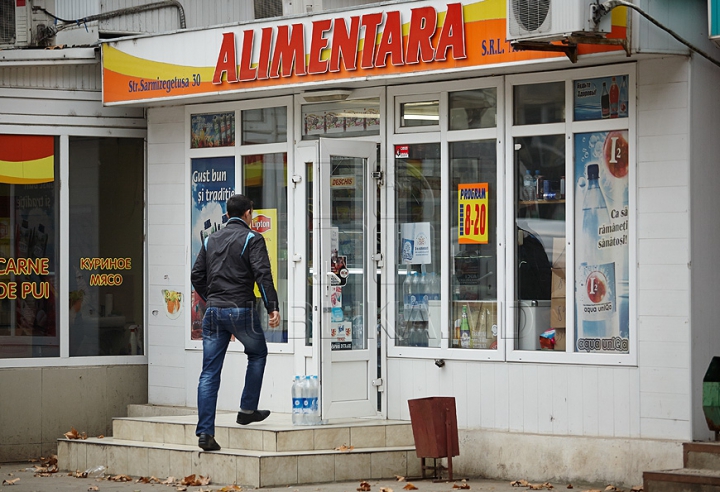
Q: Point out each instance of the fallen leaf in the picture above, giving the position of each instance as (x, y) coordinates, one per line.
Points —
(11, 482)
(120, 478)
(230, 488)
(169, 481)
(386, 489)
(93, 487)
(462, 485)
(344, 449)
(637, 488)
(181, 488)
(548, 485)
(364, 486)
(520, 483)
(101, 436)
(399, 478)
(569, 486)
(409, 486)
(536, 486)
(72, 433)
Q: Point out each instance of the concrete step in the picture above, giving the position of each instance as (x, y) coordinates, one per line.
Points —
(149, 410)
(243, 467)
(276, 434)
(682, 480)
(702, 455)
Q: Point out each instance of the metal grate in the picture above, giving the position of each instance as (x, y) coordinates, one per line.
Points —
(7, 21)
(268, 8)
(530, 14)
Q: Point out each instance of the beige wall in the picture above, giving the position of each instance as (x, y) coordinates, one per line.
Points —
(39, 404)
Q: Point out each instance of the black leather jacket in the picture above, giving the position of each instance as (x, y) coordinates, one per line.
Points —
(229, 264)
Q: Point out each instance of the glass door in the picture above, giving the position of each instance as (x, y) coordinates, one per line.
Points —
(344, 281)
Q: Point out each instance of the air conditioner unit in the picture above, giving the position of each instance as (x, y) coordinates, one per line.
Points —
(551, 20)
(20, 26)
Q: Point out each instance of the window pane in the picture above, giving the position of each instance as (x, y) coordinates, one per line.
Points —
(424, 113)
(473, 109)
(264, 125)
(212, 130)
(418, 246)
(106, 188)
(473, 171)
(265, 183)
(29, 236)
(341, 119)
(540, 222)
(539, 103)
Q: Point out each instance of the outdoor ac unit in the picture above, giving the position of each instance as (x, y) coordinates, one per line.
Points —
(550, 20)
(20, 26)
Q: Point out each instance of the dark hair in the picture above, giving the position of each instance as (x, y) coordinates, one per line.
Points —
(237, 205)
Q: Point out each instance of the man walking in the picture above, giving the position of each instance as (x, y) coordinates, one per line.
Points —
(231, 261)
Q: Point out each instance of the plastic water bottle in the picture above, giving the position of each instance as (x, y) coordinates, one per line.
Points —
(528, 186)
(407, 293)
(314, 416)
(422, 296)
(306, 399)
(297, 401)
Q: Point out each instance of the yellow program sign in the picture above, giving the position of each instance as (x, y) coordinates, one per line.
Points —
(473, 213)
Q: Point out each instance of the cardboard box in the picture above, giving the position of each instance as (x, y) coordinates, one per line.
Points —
(557, 312)
(558, 283)
(560, 339)
(558, 252)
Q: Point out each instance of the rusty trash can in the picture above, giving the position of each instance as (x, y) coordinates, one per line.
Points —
(434, 426)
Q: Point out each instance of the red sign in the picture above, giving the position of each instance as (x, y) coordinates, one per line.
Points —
(261, 224)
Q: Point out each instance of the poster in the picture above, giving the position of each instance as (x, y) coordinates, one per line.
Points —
(601, 242)
(265, 222)
(600, 98)
(415, 243)
(212, 130)
(473, 213)
(213, 182)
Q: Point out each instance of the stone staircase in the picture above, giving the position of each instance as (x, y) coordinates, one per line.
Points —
(700, 472)
(265, 454)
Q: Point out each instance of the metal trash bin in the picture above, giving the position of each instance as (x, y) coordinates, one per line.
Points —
(435, 430)
(711, 396)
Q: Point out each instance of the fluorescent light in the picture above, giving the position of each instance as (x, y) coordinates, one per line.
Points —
(326, 96)
(421, 117)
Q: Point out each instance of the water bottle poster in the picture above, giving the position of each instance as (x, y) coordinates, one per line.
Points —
(212, 183)
(415, 243)
(601, 242)
(600, 98)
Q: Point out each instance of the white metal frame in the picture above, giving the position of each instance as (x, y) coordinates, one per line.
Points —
(238, 151)
(64, 360)
(569, 128)
(443, 136)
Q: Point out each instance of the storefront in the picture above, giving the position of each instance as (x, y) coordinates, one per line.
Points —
(444, 215)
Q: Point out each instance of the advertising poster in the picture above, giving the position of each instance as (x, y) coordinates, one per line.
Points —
(600, 98)
(213, 182)
(264, 221)
(601, 242)
(212, 130)
(415, 243)
(473, 213)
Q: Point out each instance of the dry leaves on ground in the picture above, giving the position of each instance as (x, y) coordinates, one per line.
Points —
(520, 483)
(612, 488)
(119, 478)
(195, 480)
(230, 488)
(169, 481)
(569, 486)
(410, 486)
(148, 480)
(637, 488)
(462, 485)
(93, 487)
(364, 486)
(344, 449)
(399, 478)
(74, 434)
(11, 482)
(386, 489)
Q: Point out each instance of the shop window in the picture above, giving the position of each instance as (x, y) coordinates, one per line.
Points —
(473, 109)
(535, 104)
(212, 130)
(418, 276)
(264, 125)
(29, 237)
(420, 113)
(106, 247)
(341, 119)
(473, 245)
(265, 183)
(539, 180)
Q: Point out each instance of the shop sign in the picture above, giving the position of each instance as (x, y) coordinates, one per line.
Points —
(342, 182)
(397, 39)
(473, 213)
(402, 151)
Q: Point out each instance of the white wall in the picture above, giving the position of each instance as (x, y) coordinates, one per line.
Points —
(704, 229)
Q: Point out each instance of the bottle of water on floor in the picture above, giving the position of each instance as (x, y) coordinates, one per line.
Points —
(306, 399)
(298, 417)
(313, 418)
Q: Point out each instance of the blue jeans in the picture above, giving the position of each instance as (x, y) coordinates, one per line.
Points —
(218, 325)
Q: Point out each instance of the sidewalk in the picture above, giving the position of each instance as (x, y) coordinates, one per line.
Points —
(61, 482)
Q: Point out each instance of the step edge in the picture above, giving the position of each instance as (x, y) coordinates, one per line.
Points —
(673, 476)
